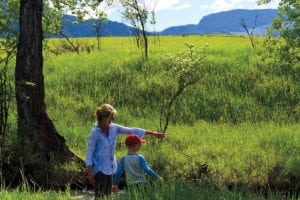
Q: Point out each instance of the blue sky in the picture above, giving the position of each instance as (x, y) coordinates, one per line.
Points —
(181, 12)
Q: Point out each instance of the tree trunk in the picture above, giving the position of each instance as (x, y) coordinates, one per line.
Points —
(42, 150)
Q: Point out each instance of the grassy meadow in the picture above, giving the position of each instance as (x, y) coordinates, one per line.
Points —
(241, 118)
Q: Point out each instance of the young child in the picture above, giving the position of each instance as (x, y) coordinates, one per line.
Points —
(134, 165)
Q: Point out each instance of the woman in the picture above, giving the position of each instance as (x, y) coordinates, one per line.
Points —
(100, 156)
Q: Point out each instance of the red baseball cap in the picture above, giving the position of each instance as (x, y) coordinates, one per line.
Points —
(133, 139)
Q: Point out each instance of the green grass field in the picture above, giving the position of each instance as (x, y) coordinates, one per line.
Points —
(241, 118)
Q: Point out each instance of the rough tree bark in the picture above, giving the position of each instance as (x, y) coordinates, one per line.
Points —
(42, 150)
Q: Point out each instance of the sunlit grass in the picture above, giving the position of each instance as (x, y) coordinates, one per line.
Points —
(21, 194)
(77, 84)
(171, 189)
(238, 120)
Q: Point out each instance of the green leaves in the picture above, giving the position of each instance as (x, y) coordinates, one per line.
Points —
(186, 66)
(285, 48)
(185, 69)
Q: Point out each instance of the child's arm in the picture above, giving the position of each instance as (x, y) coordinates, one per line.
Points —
(118, 175)
(148, 170)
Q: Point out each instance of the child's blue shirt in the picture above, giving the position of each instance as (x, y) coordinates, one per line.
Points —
(135, 167)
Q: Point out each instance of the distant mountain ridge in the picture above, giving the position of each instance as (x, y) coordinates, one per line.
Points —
(227, 22)
(87, 29)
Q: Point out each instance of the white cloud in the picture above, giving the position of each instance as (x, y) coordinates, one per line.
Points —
(178, 12)
(108, 9)
(273, 4)
(184, 6)
(172, 5)
(157, 5)
(166, 4)
(223, 5)
(218, 5)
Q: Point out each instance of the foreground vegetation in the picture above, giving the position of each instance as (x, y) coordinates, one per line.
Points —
(241, 118)
(171, 189)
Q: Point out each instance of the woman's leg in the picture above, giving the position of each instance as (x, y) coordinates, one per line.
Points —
(108, 185)
(102, 185)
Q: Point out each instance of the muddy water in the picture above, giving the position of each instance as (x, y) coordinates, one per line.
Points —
(83, 195)
(89, 194)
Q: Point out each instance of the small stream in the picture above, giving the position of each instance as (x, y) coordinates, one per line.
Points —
(89, 194)
(84, 194)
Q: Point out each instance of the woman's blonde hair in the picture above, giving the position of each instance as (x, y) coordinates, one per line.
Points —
(104, 111)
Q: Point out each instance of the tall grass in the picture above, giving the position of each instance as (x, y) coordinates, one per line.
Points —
(171, 189)
(233, 87)
(21, 194)
(180, 190)
(234, 90)
(241, 119)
